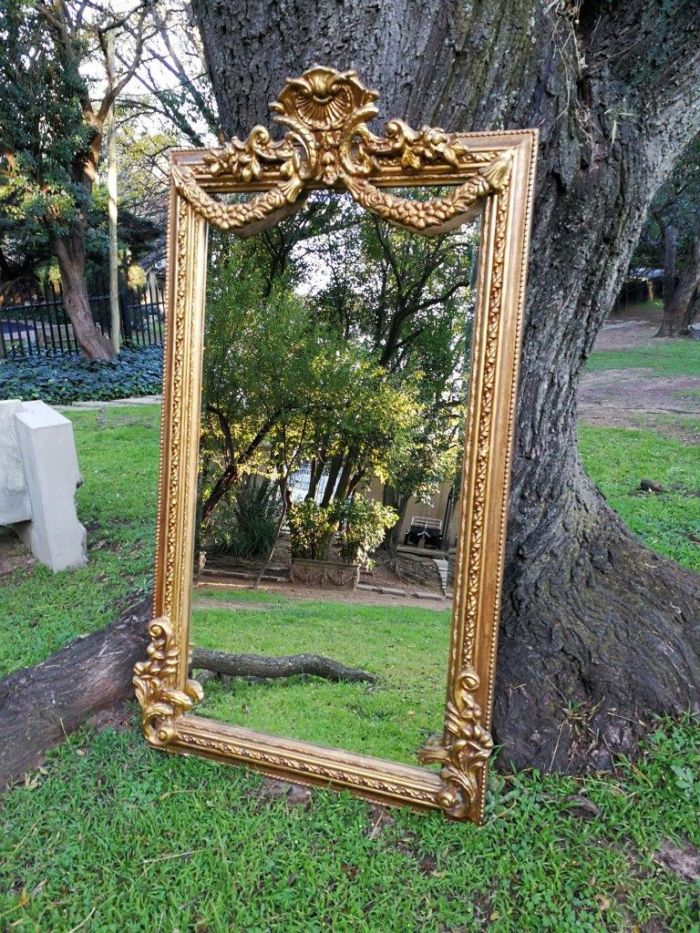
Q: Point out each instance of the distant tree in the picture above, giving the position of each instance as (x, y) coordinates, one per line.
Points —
(671, 238)
(51, 133)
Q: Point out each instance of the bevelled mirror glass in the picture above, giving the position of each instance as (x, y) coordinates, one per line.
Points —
(344, 315)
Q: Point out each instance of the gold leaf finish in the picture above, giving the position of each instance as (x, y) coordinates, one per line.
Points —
(328, 144)
(154, 680)
(464, 749)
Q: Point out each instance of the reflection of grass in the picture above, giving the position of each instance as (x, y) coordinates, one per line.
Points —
(405, 647)
(669, 522)
(678, 357)
(40, 610)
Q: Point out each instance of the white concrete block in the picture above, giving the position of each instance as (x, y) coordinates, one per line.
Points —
(14, 495)
(47, 447)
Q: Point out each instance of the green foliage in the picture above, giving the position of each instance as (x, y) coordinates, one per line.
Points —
(361, 527)
(358, 522)
(337, 339)
(245, 524)
(61, 378)
(311, 528)
(46, 139)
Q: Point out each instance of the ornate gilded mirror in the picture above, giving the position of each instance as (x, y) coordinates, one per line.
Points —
(344, 314)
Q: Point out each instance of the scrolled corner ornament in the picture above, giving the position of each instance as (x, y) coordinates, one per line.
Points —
(464, 750)
(329, 144)
(161, 704)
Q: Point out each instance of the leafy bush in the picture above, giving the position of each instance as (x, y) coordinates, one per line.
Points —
(358, 522)
(311, 529)
(362, 527)
(61, 378)
(245, 525)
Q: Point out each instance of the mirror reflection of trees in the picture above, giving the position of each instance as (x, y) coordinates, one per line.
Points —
(335, 350)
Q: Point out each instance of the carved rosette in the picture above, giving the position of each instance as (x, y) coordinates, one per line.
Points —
(154, 682)
(328, 143)
(463, 750)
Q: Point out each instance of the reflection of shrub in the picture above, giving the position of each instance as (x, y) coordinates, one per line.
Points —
(311, 528)
(359, 523)
(245, 524)
(362, 527)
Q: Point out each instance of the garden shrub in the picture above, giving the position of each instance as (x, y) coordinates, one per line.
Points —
(62, 378)
(245, 524)
(311, 528)
(362, 524)
(358, 524)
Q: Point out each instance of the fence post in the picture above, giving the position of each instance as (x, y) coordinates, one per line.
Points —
(124, 311)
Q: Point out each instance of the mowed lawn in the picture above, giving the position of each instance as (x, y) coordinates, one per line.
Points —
(110, 835)
(403, 647)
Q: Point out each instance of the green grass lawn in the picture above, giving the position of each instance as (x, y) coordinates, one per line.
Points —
(405, 648)
(111, 835)
(117, 837)
(665, 357)
(669, 522)
(40, 610)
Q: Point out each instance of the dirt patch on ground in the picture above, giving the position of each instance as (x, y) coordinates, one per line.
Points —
(639, 398)
(13, 554)
(203, 599)
(625, 334)
(634, 398)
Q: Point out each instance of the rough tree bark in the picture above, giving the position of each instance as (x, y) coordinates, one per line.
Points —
(596, 630)
(40, 705)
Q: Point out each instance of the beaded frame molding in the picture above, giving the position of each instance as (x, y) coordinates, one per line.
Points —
(329, 145)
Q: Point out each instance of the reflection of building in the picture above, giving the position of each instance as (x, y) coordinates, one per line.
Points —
(439, 516)
(439, 510)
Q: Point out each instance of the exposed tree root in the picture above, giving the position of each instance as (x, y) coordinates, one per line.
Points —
(255, 665)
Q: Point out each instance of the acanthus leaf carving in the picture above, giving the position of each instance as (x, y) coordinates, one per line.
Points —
(155, 685)
(464, 748)
(329, 143)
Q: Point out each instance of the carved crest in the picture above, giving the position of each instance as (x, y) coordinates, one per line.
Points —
(328, 143)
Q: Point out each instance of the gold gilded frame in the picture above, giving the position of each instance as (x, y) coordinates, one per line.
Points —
(328, 144)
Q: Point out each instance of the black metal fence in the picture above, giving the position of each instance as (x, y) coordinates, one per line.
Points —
(39, 321)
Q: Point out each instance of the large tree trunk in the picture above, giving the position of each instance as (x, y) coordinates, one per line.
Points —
(69, 250)
(596, 630)
(678, 304)
(40, 705)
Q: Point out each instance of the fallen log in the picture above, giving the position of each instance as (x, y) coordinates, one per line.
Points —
(255, 665)
(40, 705)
